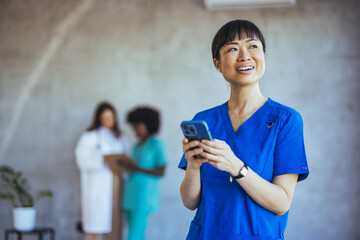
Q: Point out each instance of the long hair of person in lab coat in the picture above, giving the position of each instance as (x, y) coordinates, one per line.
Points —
(96, 122)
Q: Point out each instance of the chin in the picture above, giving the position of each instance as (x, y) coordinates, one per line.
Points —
(243, 82)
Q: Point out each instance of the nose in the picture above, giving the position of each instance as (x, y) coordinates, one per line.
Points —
(243, 55)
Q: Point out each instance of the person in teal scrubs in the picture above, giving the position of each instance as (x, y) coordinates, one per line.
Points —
(142, 187)
(242, 183)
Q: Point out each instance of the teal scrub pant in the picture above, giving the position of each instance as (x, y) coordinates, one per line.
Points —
(137, 221)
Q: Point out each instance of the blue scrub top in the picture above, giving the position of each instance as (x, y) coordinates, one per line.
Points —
(271, 143)
(142, 191)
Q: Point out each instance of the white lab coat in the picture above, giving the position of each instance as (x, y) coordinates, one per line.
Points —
(97, 178)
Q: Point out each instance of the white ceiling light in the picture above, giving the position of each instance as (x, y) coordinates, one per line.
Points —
(231, 4)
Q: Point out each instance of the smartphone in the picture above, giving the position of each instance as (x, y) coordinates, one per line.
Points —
(196, 130)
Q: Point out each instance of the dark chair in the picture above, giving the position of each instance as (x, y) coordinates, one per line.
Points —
(78, 227)
(40, 232)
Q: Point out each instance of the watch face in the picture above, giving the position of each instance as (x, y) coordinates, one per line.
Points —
(244, 171)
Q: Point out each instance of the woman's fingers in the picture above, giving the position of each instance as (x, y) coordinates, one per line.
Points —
(184, 142)
(195, 151)
(218, 144)
(210, 149)
(218, 165)
(188, 145)
(216, 147)
(216, 151)
(209, 156)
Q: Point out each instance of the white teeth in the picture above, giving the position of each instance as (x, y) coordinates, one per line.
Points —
(244, 68)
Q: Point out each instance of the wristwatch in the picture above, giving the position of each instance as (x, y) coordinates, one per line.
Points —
(242, 173)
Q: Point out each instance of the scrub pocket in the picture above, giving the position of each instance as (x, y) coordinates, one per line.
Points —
(195, 231)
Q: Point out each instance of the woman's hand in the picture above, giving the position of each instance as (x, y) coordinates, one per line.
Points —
(128, 166)
(219, 154)
(192, 153)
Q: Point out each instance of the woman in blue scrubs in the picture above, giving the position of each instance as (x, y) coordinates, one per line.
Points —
(142, 188)
(243, 182)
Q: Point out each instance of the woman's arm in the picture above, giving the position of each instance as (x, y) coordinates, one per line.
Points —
(275, 196)
(157, 172)
(131, 166)
(190, 189)
(88, 155)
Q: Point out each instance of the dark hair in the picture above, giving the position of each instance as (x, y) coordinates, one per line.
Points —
(149, 116)
(96, 122)
(233, 29)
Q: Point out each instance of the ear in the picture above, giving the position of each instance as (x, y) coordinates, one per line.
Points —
(217, 64)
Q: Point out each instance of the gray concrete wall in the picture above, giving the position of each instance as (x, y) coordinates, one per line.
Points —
(58, 59)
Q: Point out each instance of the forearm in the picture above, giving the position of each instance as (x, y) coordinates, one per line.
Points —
(276, 196)
(157, 172)
(190, 188)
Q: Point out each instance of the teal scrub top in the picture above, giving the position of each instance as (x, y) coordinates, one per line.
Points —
(271, 143)
(142, 191)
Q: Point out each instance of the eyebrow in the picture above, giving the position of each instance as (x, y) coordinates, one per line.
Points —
(236, 43)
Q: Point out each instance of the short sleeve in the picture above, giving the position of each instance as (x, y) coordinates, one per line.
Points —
(161, 154)
(183, 163)
(88, 156)
(290, 157)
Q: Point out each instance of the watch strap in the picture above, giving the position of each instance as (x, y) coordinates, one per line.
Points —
(243, 171)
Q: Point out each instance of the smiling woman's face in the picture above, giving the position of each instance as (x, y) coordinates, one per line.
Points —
(242, 61)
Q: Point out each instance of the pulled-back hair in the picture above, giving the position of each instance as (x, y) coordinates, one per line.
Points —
(231, 30)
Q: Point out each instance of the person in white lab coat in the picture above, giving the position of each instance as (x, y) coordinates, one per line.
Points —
(102, 138)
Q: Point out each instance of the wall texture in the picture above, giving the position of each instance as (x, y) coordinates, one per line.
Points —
(58, 59)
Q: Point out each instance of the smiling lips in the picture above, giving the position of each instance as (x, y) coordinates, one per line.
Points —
(245, 69)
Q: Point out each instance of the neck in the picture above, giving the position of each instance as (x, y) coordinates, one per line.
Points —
(106, 128)
(245, 98)
(144, 139)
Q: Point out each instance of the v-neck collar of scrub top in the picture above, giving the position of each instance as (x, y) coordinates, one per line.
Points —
(253, 118)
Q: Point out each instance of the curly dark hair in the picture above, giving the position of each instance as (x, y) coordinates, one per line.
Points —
(96, 122)
(146, 115)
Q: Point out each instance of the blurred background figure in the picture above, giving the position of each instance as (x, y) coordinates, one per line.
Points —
(102, 138)
(142, 188)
